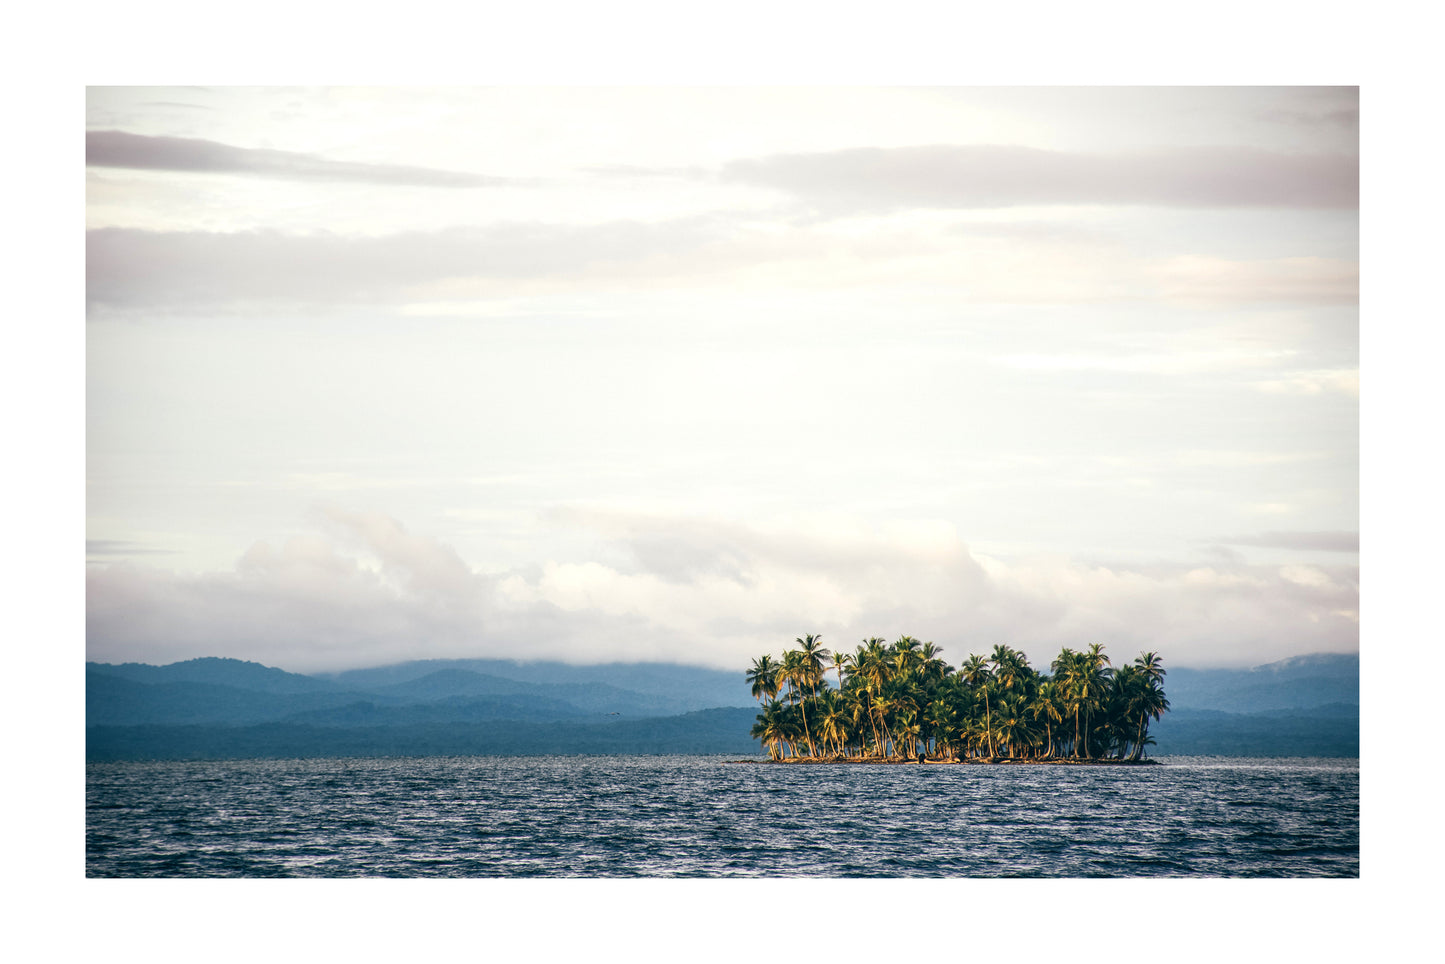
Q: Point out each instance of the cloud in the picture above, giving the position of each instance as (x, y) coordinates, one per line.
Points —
(1345, 381)
(1304, 541)
(141, 152)
(990, 176)
(631, 171)
(175, 103)
(128, 267)
(365, 591)
(95, 548)
(1203, 280)
(1342, 117)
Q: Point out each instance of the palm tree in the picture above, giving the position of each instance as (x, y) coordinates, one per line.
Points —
(1008, 666)
(814, 656)
(884, 708)
(832, 719)
(941, 719)
(764, 678)
(874, 669)
(1085, 682)
(797, 674)
(841, 659)
(1150, 665)
(1088, 684)
(1045, 709)
(975, 736)
(977, 674)
(1068, 669)
(905, 711)
(1013, 724)
(911, 730)
(771, 728)
(855, 709)
(932, 665)
(1145, 699)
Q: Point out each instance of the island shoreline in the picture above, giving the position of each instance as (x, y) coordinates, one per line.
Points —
(987, 761)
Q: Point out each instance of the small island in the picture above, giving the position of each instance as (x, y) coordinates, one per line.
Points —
(900, 703)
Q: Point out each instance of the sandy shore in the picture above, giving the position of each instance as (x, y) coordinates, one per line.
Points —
(985, 761)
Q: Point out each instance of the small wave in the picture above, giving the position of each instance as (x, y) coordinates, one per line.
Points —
(696, 817)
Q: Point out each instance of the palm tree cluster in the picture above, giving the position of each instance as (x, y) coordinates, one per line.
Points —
(901, 701)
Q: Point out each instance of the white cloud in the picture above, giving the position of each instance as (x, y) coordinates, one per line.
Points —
(1341, 381)
(372, 592)
(1307, 280)
(1309, 576)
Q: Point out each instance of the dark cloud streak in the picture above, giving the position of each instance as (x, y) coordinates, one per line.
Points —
(139, 152)
(130, 267)
(121, 547)
(1304, 541)
(992, 176)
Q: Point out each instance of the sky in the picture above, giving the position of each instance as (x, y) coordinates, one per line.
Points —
(683, 373)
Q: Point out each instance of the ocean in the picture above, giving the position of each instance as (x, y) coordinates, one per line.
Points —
(707, 816)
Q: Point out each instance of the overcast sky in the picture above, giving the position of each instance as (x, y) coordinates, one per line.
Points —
(618, 374)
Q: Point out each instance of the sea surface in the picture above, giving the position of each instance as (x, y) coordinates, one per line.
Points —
(691, 816)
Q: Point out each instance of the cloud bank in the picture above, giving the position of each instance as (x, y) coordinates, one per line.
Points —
(365, 591)
(193, 155)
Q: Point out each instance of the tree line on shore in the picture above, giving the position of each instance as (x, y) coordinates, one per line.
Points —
(900, 700)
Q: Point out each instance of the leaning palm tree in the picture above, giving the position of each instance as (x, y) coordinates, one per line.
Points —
(771, 728)
(855, 709)
(905, 711)
(975, 736)
(1144, 697)
(884, 708)
(764, 678)
(832, 720)
(796, 673)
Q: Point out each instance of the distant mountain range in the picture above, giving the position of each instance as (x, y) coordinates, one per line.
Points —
(216, 708)
(1297, 683)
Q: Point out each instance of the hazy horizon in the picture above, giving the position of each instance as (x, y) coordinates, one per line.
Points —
(681, 374)
(1042, 667)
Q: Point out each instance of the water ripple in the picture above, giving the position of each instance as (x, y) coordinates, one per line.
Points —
(707, 817)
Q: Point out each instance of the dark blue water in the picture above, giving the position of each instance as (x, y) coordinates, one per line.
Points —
(707, 817)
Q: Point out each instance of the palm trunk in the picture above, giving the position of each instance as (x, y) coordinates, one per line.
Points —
(988, 723)
(877, 739)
